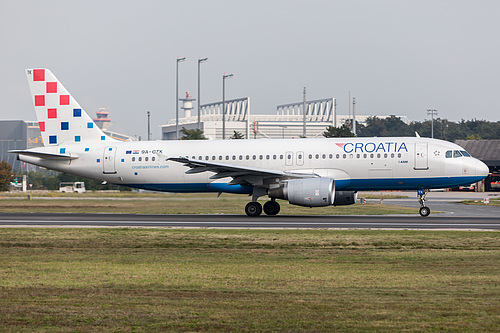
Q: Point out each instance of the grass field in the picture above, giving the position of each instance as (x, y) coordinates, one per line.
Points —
(493, 202)
(149, 280)
(153, 203)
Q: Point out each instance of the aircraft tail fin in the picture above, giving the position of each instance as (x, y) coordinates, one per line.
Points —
(60, 117)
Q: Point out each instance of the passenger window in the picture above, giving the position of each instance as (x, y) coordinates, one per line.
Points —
(323, 156)
(281, 157)
(261, 157)
(358, 155)
(399, 155)
(457, 153)
(220, 157)
(153, 158)
(227, 157)
(378, 155)
(254, 157)
(330, 156)
(241, 157)
(317, 156)
(385, 155)
(140, 159)
(310, 156)
(234, 157)
(213, 158)
(133, 159)
(206, 157)
(274, 157)
(344, 156)
(337, 156)
(145, 159)
(365, 156)
(448, 154)
(200, 157)
(371, 155)
(289, 157)
(248, 157)
(351, 155)
(392, 155)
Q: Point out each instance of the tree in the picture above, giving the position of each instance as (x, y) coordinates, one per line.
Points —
(337, 132)
(6, 176)
(237, 135)
(194, 134)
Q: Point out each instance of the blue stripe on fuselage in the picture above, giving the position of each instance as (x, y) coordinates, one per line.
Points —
(195, 187)
(344, 185)
(403, 183)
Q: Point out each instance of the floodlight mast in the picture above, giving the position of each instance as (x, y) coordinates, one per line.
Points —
(177, 96)
(432, 112)
(224, 77)
(200, 60)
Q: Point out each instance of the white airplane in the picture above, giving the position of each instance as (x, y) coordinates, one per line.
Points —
(306, 172)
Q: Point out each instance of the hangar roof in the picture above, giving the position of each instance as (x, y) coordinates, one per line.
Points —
(487, 151)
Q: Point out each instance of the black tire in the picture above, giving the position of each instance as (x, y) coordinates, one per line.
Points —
(424, 211)
(271, 208)
(253, 209)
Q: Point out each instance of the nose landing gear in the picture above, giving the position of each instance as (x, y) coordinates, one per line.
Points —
(424, 210)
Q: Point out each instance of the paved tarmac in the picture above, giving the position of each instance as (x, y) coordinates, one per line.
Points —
(454, 216)
(242, 221)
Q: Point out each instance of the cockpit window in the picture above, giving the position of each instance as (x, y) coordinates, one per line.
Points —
(466, 154)
(449, 154)
(457, 153)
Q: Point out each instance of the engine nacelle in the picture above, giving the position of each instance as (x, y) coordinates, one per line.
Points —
(343, 198)
(308, 192)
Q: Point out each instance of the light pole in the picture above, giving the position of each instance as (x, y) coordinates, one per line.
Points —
(177, 97)
(304, 115)
(224, 77)
(432, 112)
(149, 127)
(199, 103)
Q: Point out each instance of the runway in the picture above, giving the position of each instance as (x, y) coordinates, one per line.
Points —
(242, 221)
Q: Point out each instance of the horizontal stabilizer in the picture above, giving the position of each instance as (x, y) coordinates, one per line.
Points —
(48, 156)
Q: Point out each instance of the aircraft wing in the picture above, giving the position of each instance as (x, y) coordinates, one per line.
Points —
(242, 175)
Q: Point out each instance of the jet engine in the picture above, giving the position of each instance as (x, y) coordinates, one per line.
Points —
(308, 192)
(343, 198)
(313, 192)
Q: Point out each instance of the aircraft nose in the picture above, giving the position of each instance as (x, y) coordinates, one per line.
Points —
(482, 169)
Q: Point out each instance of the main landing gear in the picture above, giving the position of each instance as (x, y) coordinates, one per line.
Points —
(254, 208)
(424, 210)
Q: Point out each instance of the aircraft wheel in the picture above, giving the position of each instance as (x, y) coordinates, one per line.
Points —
(425, 211)
(271, 208)
(253, 209)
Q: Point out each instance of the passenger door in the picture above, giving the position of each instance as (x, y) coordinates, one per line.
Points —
(109, 160)
(421, 157)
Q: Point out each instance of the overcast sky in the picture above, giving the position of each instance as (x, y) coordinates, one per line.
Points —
(396, 57)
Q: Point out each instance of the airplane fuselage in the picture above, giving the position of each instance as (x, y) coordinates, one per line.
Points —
(354, 163)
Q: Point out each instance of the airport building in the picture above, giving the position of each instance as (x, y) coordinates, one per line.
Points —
(20, 134)
(287, 122)
(488, 152)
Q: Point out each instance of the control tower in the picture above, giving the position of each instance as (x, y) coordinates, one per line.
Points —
(187, 104)
(102, 120)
